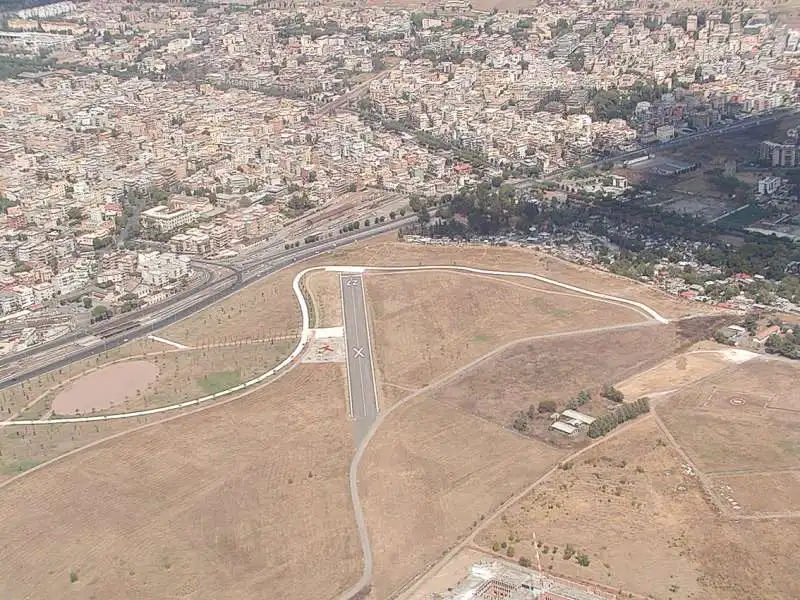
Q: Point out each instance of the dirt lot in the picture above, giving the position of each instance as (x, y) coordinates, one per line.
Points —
(427, 324)
(557, 369)
(724, 423)
(646, 527)
(703, 360)
(180, 375)
(326, 298)
(256, 493)
(429, 475)
(112, 385)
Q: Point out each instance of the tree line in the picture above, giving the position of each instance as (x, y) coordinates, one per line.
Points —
(624, 412)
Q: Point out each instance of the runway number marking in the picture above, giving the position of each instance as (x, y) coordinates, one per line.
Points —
(358, 352)
(351, 282)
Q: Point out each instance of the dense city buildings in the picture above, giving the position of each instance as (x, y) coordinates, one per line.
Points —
(197, 129)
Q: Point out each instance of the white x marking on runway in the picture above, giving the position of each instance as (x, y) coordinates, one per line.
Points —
(358, 353)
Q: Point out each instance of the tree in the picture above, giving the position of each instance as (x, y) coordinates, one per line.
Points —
(100, 313)
(547, 407)
(75, 213)
(87, 302)
(524, 561)
(520, 423)
(612, 393)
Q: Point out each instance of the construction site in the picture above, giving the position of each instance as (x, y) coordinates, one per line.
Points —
(499, 580)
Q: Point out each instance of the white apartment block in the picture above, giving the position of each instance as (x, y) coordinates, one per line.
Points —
(162, 219)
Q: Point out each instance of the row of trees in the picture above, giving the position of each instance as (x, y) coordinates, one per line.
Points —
(625, 412)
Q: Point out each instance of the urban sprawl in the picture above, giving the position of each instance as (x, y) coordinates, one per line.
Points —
(140, 137)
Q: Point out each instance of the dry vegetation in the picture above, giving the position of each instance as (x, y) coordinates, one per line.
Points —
(255, 495)
(428, 477)
(387, 252)
(427, 324)
(263, 310)
(645, 526)
(725, 422)
(677, 372)
(326, 298)
(557, 369)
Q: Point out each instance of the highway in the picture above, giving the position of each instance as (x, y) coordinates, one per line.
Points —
(363, 397)
(80, 344)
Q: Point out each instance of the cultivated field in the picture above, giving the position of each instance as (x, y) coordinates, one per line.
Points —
(429, 476)
(645, 526)
(427, 324)
(237, 501)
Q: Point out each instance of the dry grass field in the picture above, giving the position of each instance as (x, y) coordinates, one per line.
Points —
(702, 360)
(725, 423)
(646, 527)
(245, 500)
(181, 375)
(259, 311)
(387, 251)
(557, 369)
(427, 324)
(747, 490)
(427, 478)
(326, 298)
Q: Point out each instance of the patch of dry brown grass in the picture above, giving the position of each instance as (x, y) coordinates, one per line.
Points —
(428, 324)
(646, 527)
(231, 502)
(429, 476)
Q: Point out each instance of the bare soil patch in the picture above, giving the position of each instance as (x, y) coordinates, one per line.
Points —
(427, 324)
(255, 492)
(429, 476)
(105, 388)
(674, 373)
(646, 527)
(760, 493)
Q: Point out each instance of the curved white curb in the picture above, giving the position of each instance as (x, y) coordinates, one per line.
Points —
(553, 282)
(306, 334)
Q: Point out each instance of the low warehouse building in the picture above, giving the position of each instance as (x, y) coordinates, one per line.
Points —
(578, 416)
(563, 427)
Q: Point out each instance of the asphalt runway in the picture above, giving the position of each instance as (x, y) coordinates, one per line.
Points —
(363, 400)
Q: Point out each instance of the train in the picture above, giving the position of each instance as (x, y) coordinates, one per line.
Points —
(113, 330)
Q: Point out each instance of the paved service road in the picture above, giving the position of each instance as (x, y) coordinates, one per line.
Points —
(363, 405)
